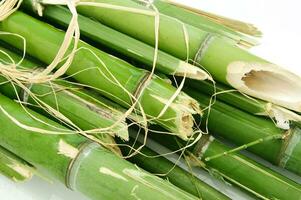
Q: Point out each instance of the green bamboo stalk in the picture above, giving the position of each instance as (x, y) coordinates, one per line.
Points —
(283, 117)
(227, 63)
(98, 99)
(168, 27)
(79, 163)
(14, 167)
(233, 97)
(203, 23)
(243, 128)
(43, 42)
(152, 162)
(236, 169)
(120, 43)
(85, 114)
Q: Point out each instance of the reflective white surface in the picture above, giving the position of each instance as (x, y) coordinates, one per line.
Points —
(280, 23)
(36, 189)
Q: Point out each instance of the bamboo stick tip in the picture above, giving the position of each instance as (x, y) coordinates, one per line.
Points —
(282, 115)
(266, 81)
(190, 71)
(246, 28)
(188, 107)
(247, 45)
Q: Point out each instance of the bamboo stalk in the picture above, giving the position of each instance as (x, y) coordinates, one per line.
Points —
(236, 169)
(202, 22)
(109, 38)
(226, 62)
(43, 42)
(79, 163)
(98, 99)
(229, 95)
(152, 162)
(243, 128)
(14, 167)
(169, 27)
(283, 117)
(86, 115)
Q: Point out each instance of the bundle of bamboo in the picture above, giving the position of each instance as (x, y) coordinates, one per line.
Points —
(121, 43)
(111, 76)
(236, 169)
(98, 97)
(226, 62)
(276, 145)
(72, 159)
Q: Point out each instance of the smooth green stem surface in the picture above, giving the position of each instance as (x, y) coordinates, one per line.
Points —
(172, 32)
(232, 97)
(250, 175)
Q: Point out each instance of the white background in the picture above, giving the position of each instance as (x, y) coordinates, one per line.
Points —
(279, 20)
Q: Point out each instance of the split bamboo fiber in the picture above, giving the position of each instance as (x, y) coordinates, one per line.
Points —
(238, 26)
(111, 76)
(79, 163)
(97, 120)
(202, 22)
(278, 146)
(236, 169)
(226, 62)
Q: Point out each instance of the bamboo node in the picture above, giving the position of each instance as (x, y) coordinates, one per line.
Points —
(203, 47)
(291, 139)
(202, 145)
(84, 150)
(137, 92)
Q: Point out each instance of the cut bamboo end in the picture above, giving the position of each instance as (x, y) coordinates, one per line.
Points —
(185, 108)
(240, 26)
(179, 116)
(266, 81)
(190, 71)
(282, 115)
(236, 25)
